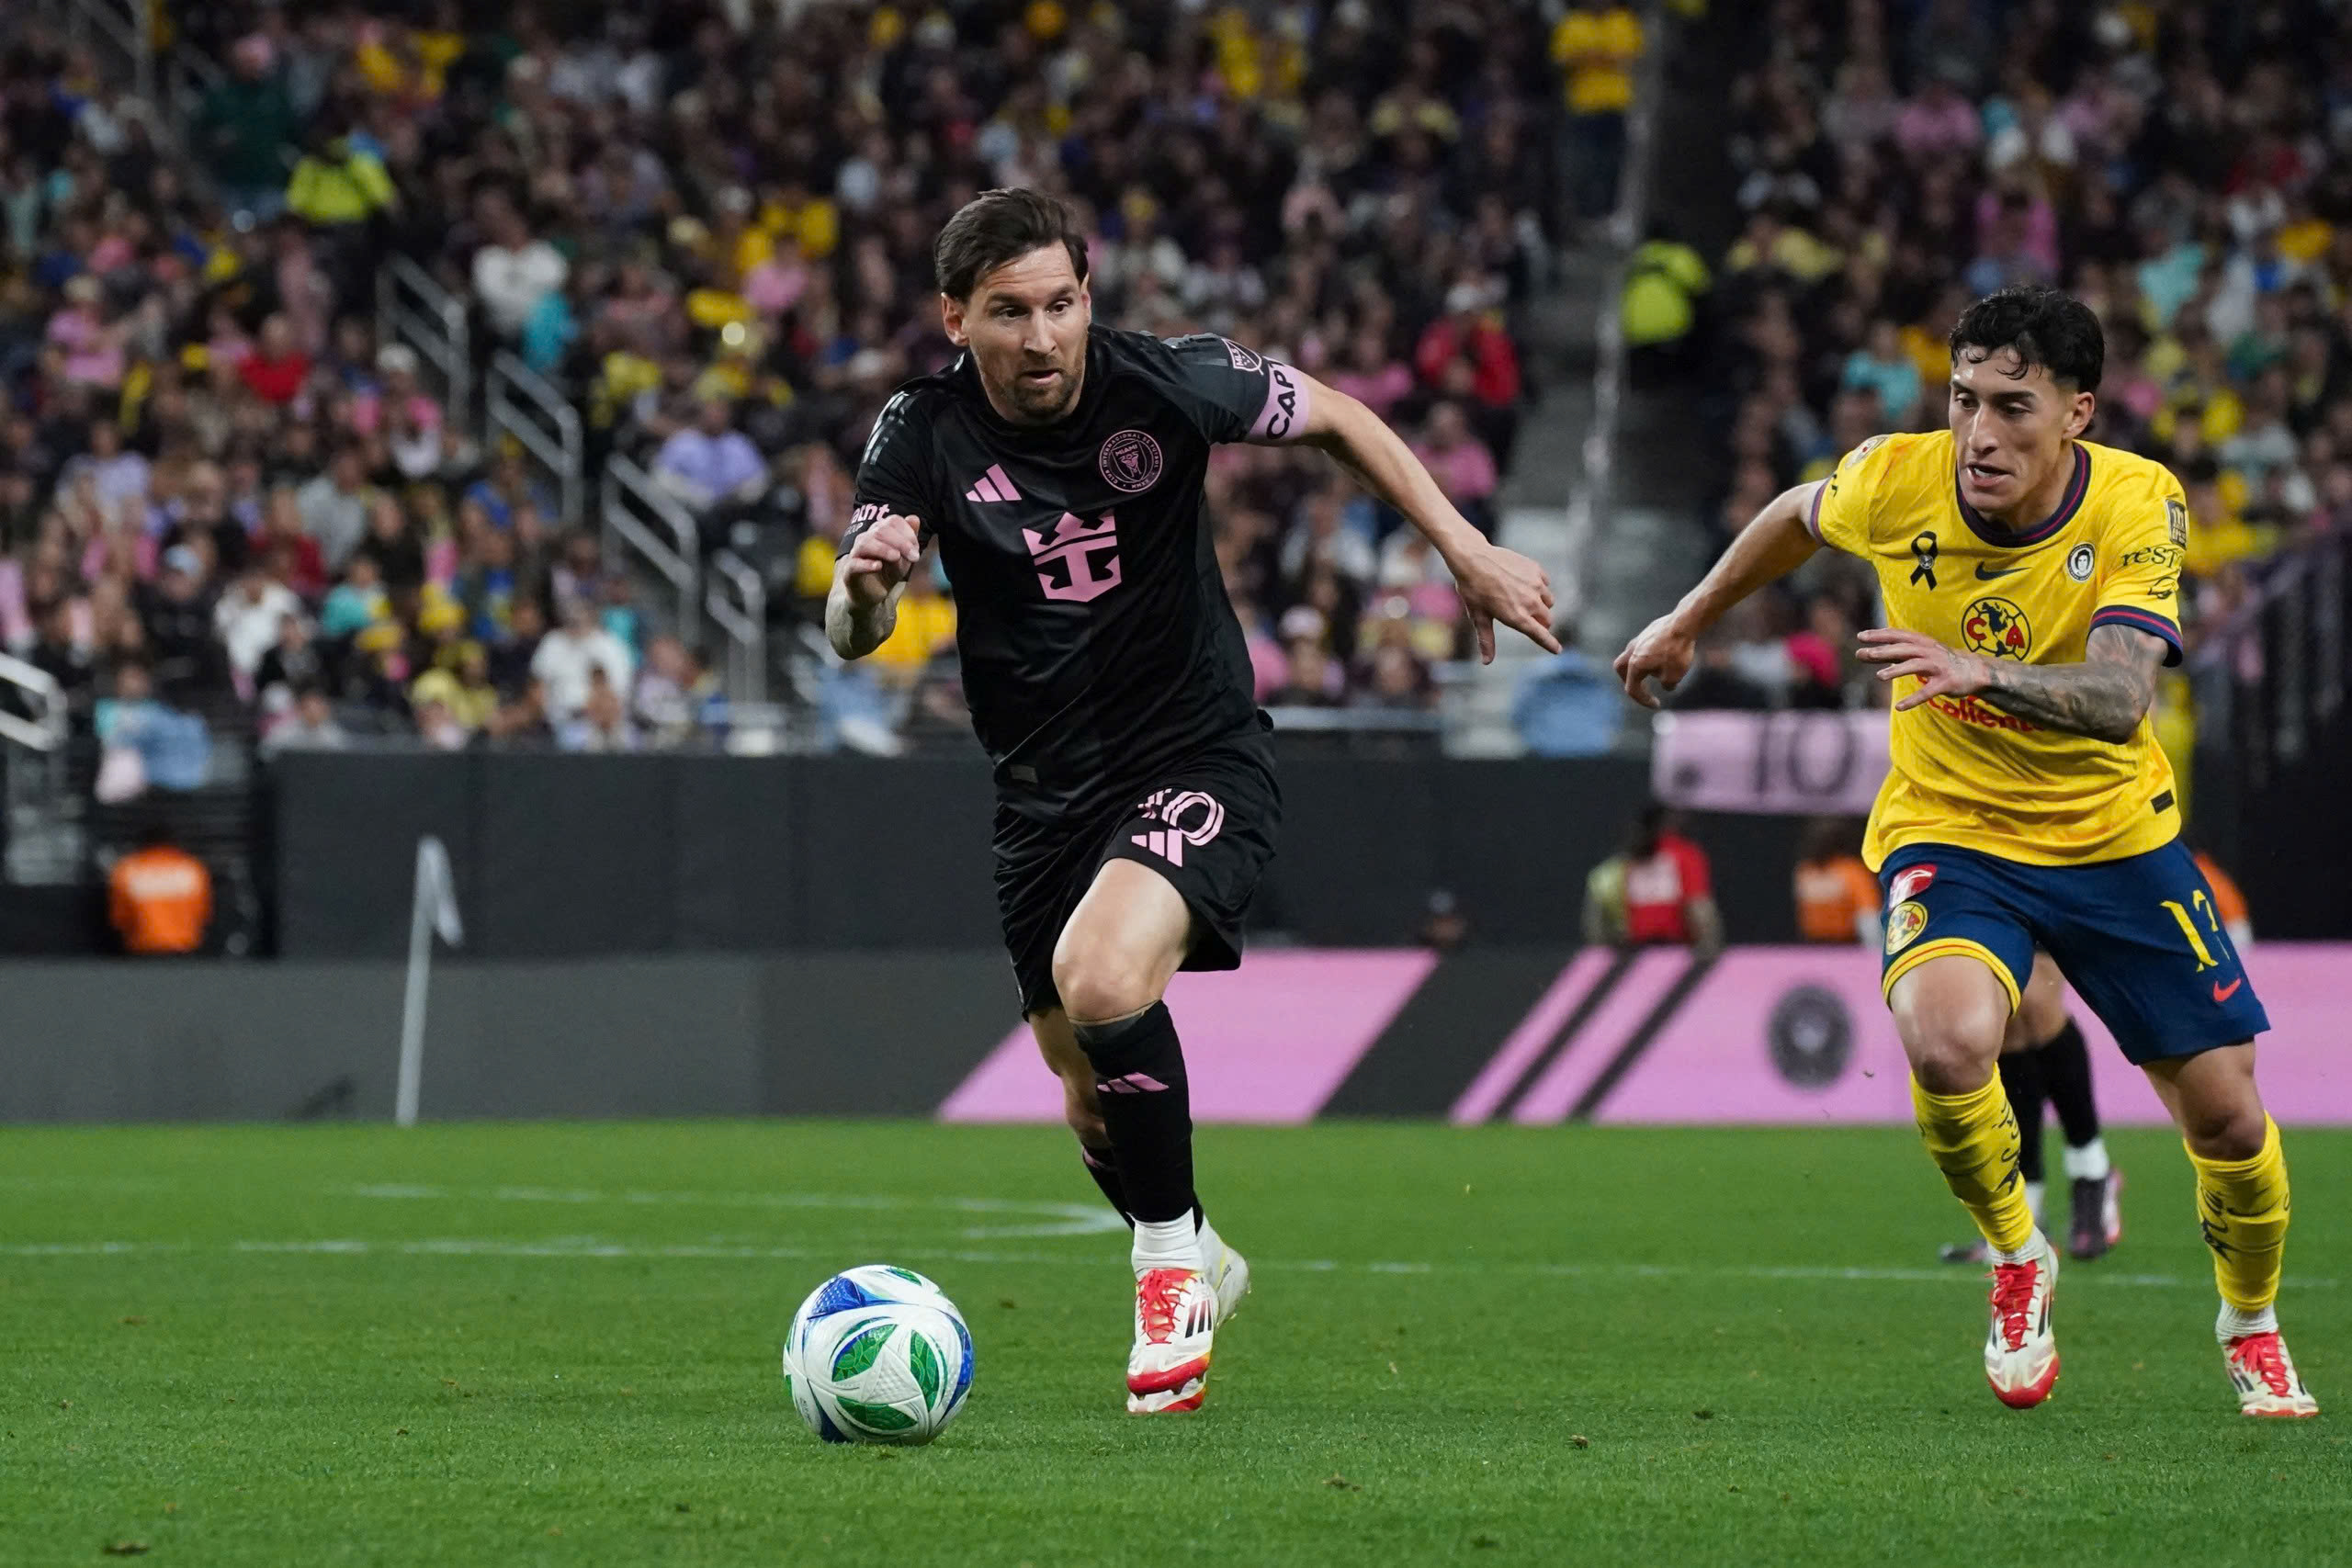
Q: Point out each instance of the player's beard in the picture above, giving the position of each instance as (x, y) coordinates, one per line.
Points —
(1035, 403)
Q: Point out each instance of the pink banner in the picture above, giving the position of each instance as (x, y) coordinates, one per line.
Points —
(1799, 1034)
(1801, 761)
(1270, 1042)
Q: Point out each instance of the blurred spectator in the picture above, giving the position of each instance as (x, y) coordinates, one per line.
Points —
(146, 743)
(1836, 897)
(713, 468)
(159, 897)
(334, 505)
(1657, 890)
(513, 270)
(250, 618)
(1568, 706)
(311, 726)
(1314, 678)
(1461, 465)
(1664, 282)
(245, 131)
(601, 723)
(1596, 44)
(570, 657)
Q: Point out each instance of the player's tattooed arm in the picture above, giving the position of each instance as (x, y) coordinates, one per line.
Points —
(863, 609)
(2105, 696)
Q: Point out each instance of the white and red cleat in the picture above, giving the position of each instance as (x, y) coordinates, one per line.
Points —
(2021, 1352)
(2265, 1377)
(1229, 1275)
(1168, 1371)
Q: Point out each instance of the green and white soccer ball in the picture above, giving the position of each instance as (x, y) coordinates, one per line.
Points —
(878, 1354)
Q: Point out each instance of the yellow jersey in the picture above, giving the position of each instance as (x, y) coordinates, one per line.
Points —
(1966, 772)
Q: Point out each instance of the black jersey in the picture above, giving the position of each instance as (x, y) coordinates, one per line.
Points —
(1097, 642)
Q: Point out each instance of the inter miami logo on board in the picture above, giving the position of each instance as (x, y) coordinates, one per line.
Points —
(1130, 461)
(1996, 629)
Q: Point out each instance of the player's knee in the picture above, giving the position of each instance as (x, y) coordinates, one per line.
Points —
(1099, 982)
(2233, 1129)
(1952, 1048)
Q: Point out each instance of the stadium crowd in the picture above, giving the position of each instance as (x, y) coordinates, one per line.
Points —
(223, 500)
(2177, 165)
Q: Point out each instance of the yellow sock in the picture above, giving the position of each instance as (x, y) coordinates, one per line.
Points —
(2242, 1208)
(1972, 1138)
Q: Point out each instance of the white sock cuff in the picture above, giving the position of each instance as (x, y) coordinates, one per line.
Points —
(2088, 1163)
(2236, 1323)
(1166, 1243)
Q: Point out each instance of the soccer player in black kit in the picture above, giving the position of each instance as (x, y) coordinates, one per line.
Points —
(1059, 465)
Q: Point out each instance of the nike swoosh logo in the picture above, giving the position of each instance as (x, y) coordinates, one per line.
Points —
(2224, 993)
(1984, 576)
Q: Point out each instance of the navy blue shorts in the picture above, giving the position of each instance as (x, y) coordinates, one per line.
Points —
(2138, 938)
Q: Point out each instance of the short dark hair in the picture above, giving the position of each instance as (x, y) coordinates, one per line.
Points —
(994, 228)
(2046, 326)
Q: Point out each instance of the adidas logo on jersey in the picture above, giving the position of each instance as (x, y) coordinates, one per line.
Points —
(993, 486)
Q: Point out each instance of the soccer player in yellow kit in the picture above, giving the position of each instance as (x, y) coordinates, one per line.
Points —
(2030, 577)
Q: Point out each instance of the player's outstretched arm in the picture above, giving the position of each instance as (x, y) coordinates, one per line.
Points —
(863, 609)
(1496, 584)
(2105, 696)
(1773, 545)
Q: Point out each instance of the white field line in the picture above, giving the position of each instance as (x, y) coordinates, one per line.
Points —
(595, 1248)
(1058, 1219)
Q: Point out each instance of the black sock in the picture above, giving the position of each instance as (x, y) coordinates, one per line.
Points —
(2066, 1078)
(1103, 1166)
(2021, 1080)
(1147, 1107)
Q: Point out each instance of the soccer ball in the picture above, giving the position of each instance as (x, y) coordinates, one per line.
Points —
(878, 1354)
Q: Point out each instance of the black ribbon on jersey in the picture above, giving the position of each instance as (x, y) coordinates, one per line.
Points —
(1923, 553)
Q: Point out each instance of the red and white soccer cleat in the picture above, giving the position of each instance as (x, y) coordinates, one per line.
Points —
(1168, 1371)
(2021, 1352)
(2265, 1377)
(1229, 1275)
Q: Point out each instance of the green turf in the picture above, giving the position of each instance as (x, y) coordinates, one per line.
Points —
(510, 1345)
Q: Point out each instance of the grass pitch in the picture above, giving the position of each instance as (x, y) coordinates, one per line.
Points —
(525, 1343)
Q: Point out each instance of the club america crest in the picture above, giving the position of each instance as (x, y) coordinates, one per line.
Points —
(1130, 461)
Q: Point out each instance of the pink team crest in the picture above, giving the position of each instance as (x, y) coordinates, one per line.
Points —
(1080, 559)
(1130, 461)
(1909, 883)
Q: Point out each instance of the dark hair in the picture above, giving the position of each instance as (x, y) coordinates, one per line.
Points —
(2046, 326)
(996, 227)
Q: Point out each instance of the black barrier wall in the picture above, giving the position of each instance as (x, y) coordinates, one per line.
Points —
(571, 856)
(807, 1034)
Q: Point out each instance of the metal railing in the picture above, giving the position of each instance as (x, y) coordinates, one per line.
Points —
(1588, 506)
(118, 35)
(518, 402)
(737, 603)
(411, 308)
(640, 520)
(45, 731)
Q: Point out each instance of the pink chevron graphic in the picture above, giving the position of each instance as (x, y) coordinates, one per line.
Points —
(1480, 1101)
(1553, 1096)
(993, 486)
(1269, 1043)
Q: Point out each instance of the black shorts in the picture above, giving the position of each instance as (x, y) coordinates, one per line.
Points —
(1207, 824)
